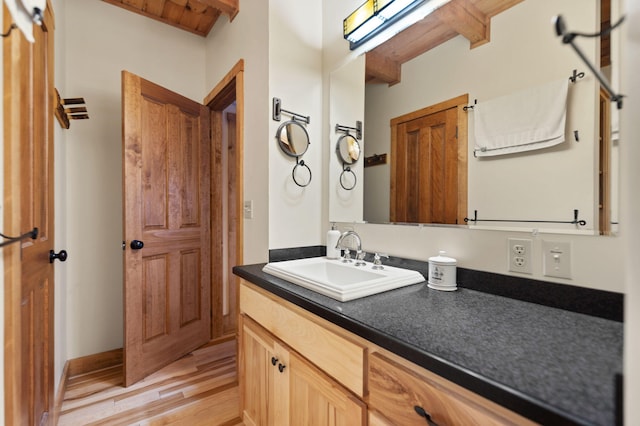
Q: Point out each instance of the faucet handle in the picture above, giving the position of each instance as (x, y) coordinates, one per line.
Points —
(346, 258)
(360, 258)
(377, 263)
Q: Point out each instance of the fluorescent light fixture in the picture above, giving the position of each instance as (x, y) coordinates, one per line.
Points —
(376, 21)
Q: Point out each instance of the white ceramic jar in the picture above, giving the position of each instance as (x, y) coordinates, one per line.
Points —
(442, 272)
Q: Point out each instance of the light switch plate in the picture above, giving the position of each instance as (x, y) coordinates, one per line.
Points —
(556, 259)
(248, 209)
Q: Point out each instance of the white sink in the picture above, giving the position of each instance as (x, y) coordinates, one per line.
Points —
(342, 281)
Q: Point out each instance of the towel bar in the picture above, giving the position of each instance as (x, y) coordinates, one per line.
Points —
(575, 220)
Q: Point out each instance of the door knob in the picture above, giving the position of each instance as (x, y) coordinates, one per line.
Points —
(136, 244)
(61, 256)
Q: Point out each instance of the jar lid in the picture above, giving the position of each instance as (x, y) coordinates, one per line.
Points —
(442, 259)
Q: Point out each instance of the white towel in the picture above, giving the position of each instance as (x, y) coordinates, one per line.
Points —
(24, 15)
(530, 119)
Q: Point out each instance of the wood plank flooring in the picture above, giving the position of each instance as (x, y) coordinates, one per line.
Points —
(198, 389)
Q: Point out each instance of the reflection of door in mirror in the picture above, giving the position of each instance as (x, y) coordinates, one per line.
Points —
(428, 174)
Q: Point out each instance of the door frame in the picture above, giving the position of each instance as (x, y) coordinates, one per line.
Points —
(230, 88)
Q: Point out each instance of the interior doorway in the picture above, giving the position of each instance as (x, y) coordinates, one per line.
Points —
(182, 174)
(226, 103)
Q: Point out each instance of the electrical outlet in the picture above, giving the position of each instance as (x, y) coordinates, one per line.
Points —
(520, 255)
(556, 259)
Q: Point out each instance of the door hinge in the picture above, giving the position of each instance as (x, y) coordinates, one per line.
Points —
(456, 132)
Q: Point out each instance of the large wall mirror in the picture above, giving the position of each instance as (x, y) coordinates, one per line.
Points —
(523, 52)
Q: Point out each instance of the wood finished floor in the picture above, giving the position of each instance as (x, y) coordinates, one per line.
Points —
(198, 389)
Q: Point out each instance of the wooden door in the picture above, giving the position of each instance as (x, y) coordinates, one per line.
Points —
(29, 276)
(425, 181)
(167, 285)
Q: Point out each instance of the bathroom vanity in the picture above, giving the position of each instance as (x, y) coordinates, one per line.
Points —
(416, 355)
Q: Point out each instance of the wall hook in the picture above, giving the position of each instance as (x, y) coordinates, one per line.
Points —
(77, 112)
(8, 33)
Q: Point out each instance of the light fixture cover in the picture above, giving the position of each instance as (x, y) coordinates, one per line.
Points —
(372, 17)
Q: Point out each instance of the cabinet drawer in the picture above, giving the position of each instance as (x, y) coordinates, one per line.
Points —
(336, 355)
(395, 389)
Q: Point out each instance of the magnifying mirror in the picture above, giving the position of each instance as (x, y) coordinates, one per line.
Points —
(348, 149)
(292, 138)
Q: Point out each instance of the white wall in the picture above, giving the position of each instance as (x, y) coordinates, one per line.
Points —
(247, 38)
(99, 41)
(523, 53)
(346, 91)
(295, 76)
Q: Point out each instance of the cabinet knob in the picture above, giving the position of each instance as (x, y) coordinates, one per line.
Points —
(281, 367)
(422, 413)
(274, 360)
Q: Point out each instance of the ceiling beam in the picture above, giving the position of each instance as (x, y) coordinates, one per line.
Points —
(228, 7)
(466, 19)
(381, 69)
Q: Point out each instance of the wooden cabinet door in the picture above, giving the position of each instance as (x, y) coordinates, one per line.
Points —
(279, 387)
(317, 400)
(167, 179)
(257, 350)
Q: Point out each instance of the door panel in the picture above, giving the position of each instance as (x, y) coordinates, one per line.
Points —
(166, 157)
(425, 188)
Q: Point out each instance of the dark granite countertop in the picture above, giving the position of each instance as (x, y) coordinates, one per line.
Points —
(550, 365)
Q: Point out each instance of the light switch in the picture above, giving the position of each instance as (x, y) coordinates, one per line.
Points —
(248, 209)
(556, 261)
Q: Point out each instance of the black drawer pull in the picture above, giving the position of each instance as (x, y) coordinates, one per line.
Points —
(274, 360)
(281, 367)
(422, 413)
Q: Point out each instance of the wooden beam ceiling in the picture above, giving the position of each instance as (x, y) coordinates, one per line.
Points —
(196, 16)
(469, 18)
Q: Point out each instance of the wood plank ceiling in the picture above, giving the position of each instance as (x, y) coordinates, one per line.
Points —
(196, 16)
(470, 18)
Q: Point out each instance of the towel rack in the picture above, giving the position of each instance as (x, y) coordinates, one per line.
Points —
(575, 220)
(33, 234)
(468, 107)
(576, 75)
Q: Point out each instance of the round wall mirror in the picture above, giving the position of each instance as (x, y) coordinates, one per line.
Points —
(348, 149)
(292, 138)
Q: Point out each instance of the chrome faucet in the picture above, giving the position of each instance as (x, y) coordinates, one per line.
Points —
(347, 255)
